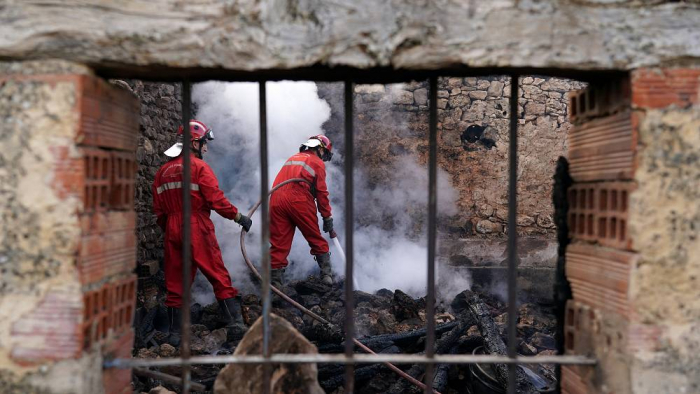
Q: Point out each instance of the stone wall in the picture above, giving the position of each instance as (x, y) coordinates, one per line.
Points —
(392, 121)
(160, 117)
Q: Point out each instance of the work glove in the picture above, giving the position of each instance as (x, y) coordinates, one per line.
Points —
(244, 221)
(328, 224)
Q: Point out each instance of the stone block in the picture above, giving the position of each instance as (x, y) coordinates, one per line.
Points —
(373, 88)
(458, 101)
(496, 89)
(402, 97)
(420, 96)
(483, 84)
(292, 378)
(454, 82)
(478, 95)
(488, 227)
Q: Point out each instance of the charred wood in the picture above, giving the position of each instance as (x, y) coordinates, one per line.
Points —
(494, 343)
(468, 343)
(380, 341)
(361, 374)
(327, 371)
(442, 345)
(442, 372)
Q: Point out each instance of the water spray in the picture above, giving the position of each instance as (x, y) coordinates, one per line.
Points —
(341, 252)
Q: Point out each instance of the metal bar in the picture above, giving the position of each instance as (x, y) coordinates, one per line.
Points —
(265, 223)
(349, 228)
(186, 234)
(357, 359)
(432, 234)
(167, 378)
(512, 230)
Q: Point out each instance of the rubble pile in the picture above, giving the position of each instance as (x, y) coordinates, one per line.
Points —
(387, 322)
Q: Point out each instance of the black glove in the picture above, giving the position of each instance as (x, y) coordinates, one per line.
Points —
(328, 224)
(244, 221)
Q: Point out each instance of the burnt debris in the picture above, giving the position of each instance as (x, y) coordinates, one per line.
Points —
(388, 322)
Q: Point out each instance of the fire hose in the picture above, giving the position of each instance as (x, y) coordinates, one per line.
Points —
(301, 307)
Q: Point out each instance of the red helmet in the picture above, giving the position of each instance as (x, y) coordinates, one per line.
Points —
(322, 141)
(198, 132)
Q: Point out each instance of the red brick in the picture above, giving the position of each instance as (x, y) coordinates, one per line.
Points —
(599, 98)
(108, 311)
(660, 88)
(108, 244)
(107, 221)
(109, 116)
(599, 276)
(106, 254)
(97, 165)
(598, 212)
(603, 149)
(124, 168)
(68, 175)
(118, 381)
(579, 327)
(123, 295)
(571, 380)
(96, 316)
(38, 340)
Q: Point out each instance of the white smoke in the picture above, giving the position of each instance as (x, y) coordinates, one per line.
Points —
(384, 258)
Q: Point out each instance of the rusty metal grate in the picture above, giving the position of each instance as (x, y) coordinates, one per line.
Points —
(349, 358)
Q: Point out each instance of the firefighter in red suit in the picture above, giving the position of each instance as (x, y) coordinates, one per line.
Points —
(206, 255)
(294, 206)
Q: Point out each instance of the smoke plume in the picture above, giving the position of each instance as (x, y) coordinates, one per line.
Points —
(387, 255)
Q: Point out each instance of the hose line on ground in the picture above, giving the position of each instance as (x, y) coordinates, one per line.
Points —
(301, 307)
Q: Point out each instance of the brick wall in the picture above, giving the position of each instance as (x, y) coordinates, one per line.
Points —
(107, 254)
(630, 151)
(72, 243)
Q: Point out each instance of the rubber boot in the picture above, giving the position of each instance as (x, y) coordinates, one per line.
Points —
(277, 278)
(174, 321)
(232, 314)
(324, 262)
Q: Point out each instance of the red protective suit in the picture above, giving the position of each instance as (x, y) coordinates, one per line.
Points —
(206, 255)
(293, 206)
